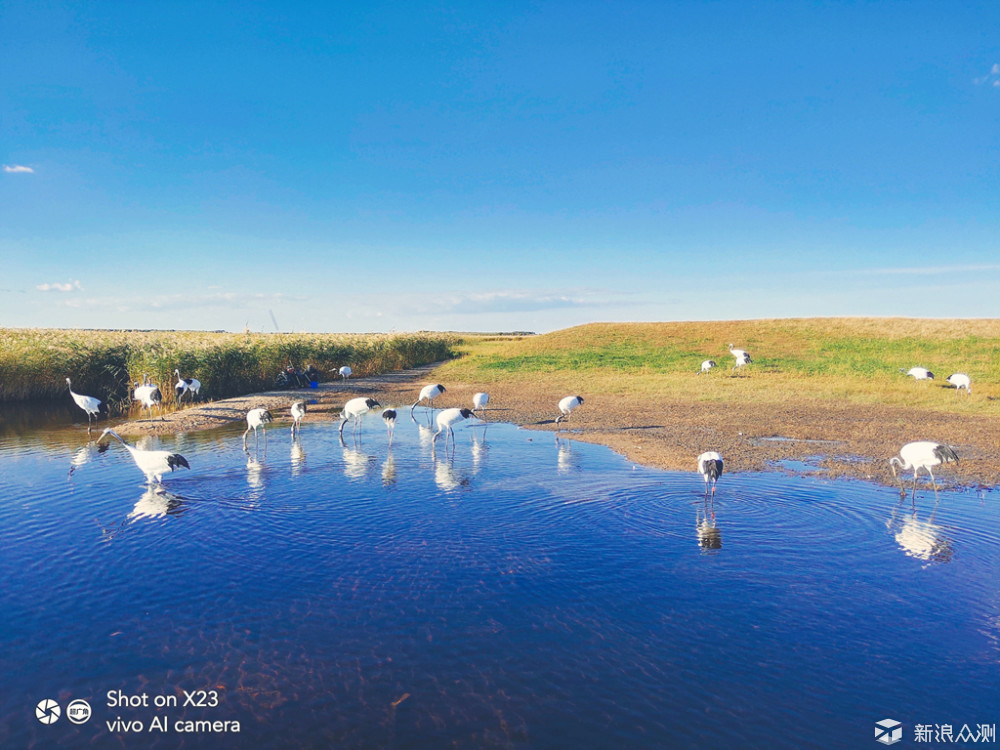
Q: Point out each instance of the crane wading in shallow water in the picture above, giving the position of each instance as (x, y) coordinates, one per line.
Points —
(923, 454)
(154, 464)
(298, 411)
(446, 421)
(89, 404)
(710, 467)
(257, 418)
(354, 410)
(389, 417)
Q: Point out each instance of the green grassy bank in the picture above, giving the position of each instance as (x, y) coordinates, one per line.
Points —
(851, 359)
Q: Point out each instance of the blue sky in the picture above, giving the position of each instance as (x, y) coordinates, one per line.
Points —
(484, 166)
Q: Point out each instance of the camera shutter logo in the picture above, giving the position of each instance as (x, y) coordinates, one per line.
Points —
(47, 711)
(888, 731)
(78, 711)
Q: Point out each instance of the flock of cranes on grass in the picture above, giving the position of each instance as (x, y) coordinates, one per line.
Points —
(914, 456)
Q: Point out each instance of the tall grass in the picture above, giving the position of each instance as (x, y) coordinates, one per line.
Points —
(34, 363)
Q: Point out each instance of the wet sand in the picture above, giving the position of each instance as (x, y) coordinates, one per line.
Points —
(832, 439)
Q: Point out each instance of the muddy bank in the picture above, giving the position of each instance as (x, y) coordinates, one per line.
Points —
(831, 439)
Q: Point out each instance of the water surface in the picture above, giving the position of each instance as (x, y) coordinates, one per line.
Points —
(517, 592)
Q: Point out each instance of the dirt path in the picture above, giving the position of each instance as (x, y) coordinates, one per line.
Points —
(833, 439)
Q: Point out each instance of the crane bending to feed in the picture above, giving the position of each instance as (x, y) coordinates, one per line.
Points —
(923, 454)
(154, 464)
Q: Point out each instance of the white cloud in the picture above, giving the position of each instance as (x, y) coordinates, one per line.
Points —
(190, 301)
(69, 286)
(993, 76)
(17, 169)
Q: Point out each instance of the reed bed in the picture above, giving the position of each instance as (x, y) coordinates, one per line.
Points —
(34, 363)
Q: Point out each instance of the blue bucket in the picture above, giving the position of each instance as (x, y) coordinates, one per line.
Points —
(313, 384)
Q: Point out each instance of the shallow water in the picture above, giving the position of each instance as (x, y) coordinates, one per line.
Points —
(519, 592)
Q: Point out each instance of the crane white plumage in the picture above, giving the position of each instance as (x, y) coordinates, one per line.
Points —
(741, 355)
(256, 419)
(710, 467)
(922, 454)
(355, 409)
(89, 404)
(389, 417)
(428, 393)
(446, 421)
(479, 401)
(919, 373)
(298, 411)
(567, 405)
(186, 385)
(960, 380)
(154, 464)
(345, 372)
(707, 365)
(148, 394)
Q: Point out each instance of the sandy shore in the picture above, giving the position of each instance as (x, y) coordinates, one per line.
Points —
(831, 439)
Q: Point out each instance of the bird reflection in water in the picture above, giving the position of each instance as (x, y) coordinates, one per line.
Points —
(389, 470)
(446, 477)
(357, 463)
(156, 503)
(255, 472)
(480, 450)
(922, 540)
(709, 534)
(85, 454)
(566, 460)
(298, 456)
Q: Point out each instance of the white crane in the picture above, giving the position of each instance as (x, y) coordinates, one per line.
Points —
(389, 417)
(298, 411)
(960, 380)
(923, 454)
(257, 418)
(89, 404)
(446, 421)
(345, 372)
(355, 409)
(710, 467)
(707, 365)
(186, 385)
(154, 464)
(428, 393)
(919, 373)
(479, 401)
(148, 394)
(567, 405)
(741, 355)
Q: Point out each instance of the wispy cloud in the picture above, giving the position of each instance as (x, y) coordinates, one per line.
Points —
(992, 78)
(17, 169)
(187, 302)
(477, 303)
(929, 270)
(69, 286)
